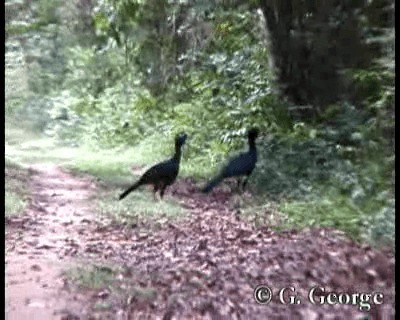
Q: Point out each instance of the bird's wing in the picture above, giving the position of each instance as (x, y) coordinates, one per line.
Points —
(239, 165)
(166, 167)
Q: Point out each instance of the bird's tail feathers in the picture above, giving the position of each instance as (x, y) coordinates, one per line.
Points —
(212, 184)
(129, 190)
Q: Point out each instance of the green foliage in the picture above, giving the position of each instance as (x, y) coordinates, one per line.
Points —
(146, 70)
(228, 91)
(380, 228)
(334, 174)
(16, 189)
(356, 211)
(311, 45)
(30, 17)
(16, 78)
(16, 29)
(90, 71)
(101, 21)
(234, 30)
(47, 11)
(98, 104)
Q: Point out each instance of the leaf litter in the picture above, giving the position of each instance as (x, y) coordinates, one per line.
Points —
(205, 266)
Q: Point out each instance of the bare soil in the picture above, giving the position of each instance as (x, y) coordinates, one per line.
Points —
(203, 267)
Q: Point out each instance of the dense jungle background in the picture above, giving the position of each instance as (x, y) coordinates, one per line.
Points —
(99, 89)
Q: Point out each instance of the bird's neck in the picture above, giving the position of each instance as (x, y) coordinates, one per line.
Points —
(252, 145)
(177, 155)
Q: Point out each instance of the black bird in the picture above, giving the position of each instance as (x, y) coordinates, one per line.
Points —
(241, 165)
(163, 174)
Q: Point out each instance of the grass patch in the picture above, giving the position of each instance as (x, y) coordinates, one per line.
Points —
(369, 219)
(27, 146)
(261, 213)
(199, 169)
(114, 288)
(380, 229)
(323, 212)
(114, 165)
(372, 222)
(16, 188)
(109, 165)
(15, 135)
(92, 276)
(139, 207)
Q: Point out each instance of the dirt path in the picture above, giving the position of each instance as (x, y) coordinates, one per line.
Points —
(204, 267)
(38, 245)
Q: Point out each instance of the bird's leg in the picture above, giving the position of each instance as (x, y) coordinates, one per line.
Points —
(162, 191)
(245, 182)
(155, 189)
(238, 184)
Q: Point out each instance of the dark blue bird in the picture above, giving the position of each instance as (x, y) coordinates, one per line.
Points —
(241, 165)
